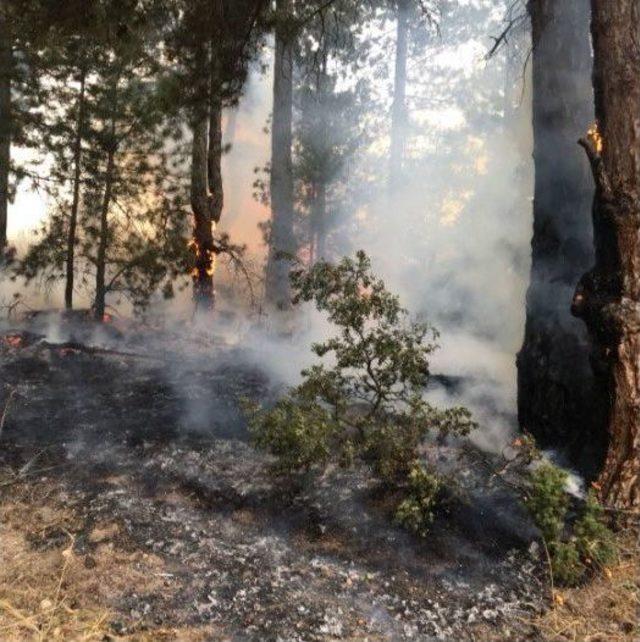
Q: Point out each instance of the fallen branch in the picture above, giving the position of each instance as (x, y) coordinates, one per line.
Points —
(80, 347)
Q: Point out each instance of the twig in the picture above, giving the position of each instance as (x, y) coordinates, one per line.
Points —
(80, 347)
(546, 551)
(57, 602)
(3, 417)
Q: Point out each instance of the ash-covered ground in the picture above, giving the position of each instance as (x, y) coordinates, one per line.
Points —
(148, 451)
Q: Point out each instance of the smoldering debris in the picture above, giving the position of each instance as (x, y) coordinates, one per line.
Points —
(241, 551)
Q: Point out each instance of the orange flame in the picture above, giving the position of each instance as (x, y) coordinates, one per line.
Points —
(209, 259)
(595, 137)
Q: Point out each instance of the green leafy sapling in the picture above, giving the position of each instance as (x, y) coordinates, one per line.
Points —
(364, 400)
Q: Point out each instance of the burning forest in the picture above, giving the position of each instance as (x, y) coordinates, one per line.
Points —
(318, 320)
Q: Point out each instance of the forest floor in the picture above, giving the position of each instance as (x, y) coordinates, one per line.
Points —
(132, 507)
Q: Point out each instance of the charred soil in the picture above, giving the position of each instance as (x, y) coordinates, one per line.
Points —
(133, 507)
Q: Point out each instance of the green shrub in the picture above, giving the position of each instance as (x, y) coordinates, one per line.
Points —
(594, 539)
(365, 400)
(415, 512)
(566, 565)
(547, 501)
(589, 542)
(298, 433)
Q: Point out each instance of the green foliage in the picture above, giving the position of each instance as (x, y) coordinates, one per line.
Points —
(365, 400)
(587, 544)
(594, 540)
(566, 565)
(548, 501)
(298, 433)
(415, 512)
(105, 88)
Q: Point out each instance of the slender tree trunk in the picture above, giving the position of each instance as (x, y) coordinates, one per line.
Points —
(399, 120)
(101, 258)
(77, 172)
(608, 297)
(558, 399)
(282, 241)
(214, 153)
(321, 231)
(319, 223)
(6, 124)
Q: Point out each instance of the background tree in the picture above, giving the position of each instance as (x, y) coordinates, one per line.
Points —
(111, 211)
(281, 236)
(22, 31)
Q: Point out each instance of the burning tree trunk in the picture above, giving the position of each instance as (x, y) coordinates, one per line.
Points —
(202, 206)
(73, 218)
(399, 107)
(558, 400)
(282, 243)
(206, 182)
(6, 71)
(608, 297)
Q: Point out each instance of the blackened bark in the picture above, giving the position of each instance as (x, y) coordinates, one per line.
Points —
(559, 401)
(608, 297)
(202, 206)
(399, 106)
(75, 203)
(6, 126)
(282, 242)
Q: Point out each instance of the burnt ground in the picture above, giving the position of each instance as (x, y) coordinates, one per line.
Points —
(146, 455)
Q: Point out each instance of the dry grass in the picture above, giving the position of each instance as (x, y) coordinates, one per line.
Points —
(48, 592)
(607, 609)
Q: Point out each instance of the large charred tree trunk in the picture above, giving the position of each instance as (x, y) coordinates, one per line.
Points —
(399, 106)
(75, 203)
(608, 296)
(558, 399)
(6, 126)
(282, 242)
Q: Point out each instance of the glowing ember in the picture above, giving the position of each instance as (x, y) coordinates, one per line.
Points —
(65, 352)
(594, 136)
(13, 341)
